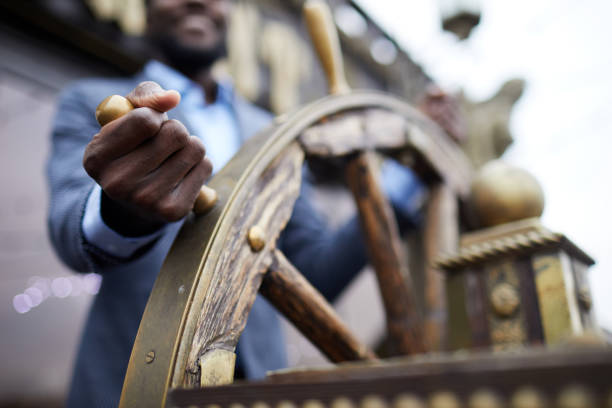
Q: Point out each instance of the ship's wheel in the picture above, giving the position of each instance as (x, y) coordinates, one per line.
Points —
(220, 261)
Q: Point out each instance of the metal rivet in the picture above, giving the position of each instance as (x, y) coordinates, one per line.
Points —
(286, 404)
(575, 397)
(484, 399)
(505, 299)
(373, 401)
(584, 297)
(528, 397)
(342, 402)
(181, 289)
(313, 403)
(407, 401)
(149, 357)
(256, 238)
(444, 399)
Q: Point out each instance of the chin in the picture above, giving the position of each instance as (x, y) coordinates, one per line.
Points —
(190, 54)
(198, 43)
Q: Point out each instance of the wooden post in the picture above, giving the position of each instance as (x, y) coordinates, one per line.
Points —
(441, 235)
(387, 256)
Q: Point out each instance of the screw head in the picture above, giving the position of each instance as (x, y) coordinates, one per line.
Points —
(149, 357)
(256, 238)
(584, 297)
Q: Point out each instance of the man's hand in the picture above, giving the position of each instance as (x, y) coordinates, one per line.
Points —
(150, 168)
(445, 110)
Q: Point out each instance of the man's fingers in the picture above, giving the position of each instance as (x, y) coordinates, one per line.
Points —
(150, 95)
(181, 200)
(178, 202)
(172, 137)
(165, 178)
(120, 137)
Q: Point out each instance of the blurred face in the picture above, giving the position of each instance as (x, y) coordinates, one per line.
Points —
(190, 32)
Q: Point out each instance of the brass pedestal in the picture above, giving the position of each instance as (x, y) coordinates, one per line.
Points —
(517, 284)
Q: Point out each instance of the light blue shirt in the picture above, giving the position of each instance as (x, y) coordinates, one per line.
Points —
(215, 124)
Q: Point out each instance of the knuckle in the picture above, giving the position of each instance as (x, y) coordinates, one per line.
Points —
(172, 210)
(92, 162)
(147, 85)
(203, 170)
(143, 89)
(114, 186)
(175, 133)
(208, 167)
(198, 146)
(195, 150)
(147, 119)
(143, 198)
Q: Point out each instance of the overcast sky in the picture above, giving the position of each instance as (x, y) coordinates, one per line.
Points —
(563, 123)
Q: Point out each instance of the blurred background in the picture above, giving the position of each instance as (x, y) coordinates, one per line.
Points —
(556, 52)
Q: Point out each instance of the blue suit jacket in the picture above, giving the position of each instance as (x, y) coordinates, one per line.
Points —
(329, 259)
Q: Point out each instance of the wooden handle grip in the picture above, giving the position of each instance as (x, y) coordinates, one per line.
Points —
(115, 106)
(325, 39)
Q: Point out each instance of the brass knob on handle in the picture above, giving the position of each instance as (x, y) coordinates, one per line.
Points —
(111, 108)
(115, 106)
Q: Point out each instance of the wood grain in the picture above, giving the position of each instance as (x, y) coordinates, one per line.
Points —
(286, 288)
(386, 253)
(438, 159)
(440, 236)
(355, 131)
(231, 294)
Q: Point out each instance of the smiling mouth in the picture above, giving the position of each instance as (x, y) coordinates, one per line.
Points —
(196, 23)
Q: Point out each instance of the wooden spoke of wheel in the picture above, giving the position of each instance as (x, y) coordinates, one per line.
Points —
(204, 291)
(387, 256)
(306, 308)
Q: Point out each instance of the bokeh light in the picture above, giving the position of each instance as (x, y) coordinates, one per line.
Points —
(40, 289)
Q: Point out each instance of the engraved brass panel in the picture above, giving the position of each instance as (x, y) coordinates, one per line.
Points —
(552, 295)
(459, 327)
(507, 329)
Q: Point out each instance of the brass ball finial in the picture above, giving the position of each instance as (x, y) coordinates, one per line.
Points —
(503, 193)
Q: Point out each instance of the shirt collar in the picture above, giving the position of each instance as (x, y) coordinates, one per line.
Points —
(169, 78)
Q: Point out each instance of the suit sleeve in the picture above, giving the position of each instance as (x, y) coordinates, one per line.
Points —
(69, 184)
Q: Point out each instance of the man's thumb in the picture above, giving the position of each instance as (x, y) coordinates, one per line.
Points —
(149, 94)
